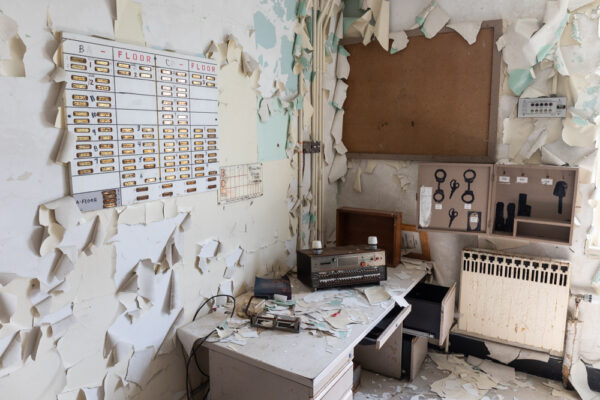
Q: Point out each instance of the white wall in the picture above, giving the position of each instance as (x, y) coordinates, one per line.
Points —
(79, 359)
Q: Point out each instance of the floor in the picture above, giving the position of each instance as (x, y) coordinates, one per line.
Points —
(466, 381)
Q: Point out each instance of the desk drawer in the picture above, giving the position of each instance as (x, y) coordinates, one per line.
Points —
(386, 361)
(381, 350)
(432, 310)
(414, 349)
(339, 387)
(386, 327)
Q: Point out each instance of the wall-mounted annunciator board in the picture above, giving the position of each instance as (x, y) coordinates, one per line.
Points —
(435, 100)
(144, 122)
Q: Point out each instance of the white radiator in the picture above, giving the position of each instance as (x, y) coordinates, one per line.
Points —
(514, 299)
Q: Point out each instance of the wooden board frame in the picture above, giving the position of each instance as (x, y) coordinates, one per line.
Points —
(496, 26)
(425, 254)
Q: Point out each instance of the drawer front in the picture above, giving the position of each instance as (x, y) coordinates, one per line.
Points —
(414, 349)
(331, 373)
(340, 386)
(447, 317)
(386, 361)
(433, 310)
(380, 334)
(392, 327)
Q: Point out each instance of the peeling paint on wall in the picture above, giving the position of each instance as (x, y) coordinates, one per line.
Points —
(57, 308)
(264, 31)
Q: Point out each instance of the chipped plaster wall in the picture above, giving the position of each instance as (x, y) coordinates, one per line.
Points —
(392, 185)
(46, 357)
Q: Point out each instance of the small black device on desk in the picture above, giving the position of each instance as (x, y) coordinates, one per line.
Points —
(341, 266)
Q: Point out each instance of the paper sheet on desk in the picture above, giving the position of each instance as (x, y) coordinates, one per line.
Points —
(376, 294)
(400, 300)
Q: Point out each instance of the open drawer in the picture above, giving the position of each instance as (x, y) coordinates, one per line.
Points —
(432, 310)
(386, 327)
(414, 350)
(381, 350)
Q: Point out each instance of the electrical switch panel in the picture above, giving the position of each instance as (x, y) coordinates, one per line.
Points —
(542, 107)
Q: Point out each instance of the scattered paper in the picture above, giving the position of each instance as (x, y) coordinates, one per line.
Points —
(525, 354)
(339, 320)
(376, 294)
(503, 353)
(248, 333)
(579, 380)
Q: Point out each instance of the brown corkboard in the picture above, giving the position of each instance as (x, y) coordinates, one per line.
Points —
(435, 100)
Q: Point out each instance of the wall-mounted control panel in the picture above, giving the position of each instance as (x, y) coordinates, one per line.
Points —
(542, 107)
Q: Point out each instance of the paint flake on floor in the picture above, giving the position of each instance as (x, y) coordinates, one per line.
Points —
(455, 377)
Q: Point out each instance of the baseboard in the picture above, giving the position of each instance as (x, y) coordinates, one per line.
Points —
(552, 369)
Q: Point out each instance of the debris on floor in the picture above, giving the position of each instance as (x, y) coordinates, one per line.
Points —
(452, 376)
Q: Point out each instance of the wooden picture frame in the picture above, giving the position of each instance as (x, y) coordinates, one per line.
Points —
(410, 234)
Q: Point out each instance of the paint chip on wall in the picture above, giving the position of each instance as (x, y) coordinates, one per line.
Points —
(264, 31)
(272, 136)
(12, 48)
(468, 30)
(400, 41)
(129, 23)
(432, 19)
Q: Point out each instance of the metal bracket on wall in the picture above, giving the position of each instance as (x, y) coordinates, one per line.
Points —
(311, 147)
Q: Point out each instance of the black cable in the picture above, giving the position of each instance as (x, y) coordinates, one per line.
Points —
(187, 364)
(195, 347)
(196, 314)
(212, 297)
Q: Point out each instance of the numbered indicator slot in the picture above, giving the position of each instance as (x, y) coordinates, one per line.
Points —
(89, 99)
